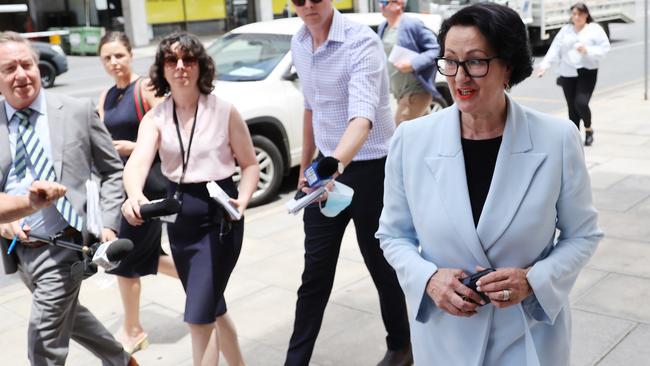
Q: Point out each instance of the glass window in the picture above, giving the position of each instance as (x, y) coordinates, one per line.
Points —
(248, 57)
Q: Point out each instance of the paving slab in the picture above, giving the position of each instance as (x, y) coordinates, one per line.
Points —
(624, 257)
(595, 335)
(620, 296)
(625, 226)
(604, 180)
(616, 199)
(634, 349)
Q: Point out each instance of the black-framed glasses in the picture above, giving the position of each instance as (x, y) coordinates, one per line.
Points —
(386, 2)
(476, 67)
(302, 2)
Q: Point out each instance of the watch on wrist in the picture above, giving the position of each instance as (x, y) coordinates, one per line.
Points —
(340, 167)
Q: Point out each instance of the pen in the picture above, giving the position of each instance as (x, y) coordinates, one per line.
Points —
(12, 245)
(14, 240)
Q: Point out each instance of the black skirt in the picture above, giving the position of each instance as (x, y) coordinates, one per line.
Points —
(205, 246)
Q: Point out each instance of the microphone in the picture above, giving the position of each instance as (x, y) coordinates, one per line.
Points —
(318, 173)
(107, 255)
(161, 207)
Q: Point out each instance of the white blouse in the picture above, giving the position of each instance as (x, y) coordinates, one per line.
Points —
(564, 55)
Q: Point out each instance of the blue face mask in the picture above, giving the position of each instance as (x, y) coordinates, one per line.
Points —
(337, 200)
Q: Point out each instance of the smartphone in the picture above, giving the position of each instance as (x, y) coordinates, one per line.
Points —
(471, 283)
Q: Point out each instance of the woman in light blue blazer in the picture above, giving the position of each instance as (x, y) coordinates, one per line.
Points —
(487, 183)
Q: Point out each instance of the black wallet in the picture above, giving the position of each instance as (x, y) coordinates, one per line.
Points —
(471, 283)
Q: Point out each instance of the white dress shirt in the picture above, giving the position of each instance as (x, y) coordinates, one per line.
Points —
(564, 55)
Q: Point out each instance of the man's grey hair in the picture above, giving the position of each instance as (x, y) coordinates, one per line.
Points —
(13, 37)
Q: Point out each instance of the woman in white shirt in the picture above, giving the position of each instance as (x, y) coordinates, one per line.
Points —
(577, 50)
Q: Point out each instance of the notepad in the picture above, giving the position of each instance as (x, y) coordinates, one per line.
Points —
(295, 205)
(94, 223)
(399, 53)
(223, 199)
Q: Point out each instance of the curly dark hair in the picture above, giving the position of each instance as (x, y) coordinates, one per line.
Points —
(190, 45)
(504, 31)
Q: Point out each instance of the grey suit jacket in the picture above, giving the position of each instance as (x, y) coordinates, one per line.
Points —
(80, 145)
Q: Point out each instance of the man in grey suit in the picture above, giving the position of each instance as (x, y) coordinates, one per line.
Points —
(48, 137)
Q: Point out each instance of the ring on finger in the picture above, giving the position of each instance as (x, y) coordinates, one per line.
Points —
(506, 294)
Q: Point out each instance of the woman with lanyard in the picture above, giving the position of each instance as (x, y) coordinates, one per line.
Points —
(197, 136)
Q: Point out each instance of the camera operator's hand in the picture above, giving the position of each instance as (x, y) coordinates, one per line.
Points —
(131, 210)
(505, 286)
(447, 291)
(8, 231)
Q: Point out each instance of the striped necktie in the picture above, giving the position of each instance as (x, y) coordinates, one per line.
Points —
(28, 146)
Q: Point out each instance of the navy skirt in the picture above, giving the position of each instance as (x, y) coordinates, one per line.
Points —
(205, 246)
(143, 259)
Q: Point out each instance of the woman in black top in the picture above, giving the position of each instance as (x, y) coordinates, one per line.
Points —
(120, 107)
(487, 185)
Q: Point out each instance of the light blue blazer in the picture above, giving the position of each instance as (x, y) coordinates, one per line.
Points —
(540, 187)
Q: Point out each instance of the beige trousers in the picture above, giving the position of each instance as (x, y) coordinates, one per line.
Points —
(412, 106)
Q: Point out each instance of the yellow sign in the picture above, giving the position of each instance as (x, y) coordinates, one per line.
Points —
(280, 5)
(173, 11)
(205, 9)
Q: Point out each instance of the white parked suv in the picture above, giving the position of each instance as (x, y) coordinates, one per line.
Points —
(254, 72)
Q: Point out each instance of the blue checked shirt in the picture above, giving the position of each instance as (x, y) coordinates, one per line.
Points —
(343, 79)
(47, 221)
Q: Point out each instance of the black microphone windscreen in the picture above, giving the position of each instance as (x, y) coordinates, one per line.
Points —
(327, 166)
(159, 208)
(119, 249)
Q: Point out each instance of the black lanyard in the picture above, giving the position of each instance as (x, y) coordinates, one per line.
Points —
(185, 159)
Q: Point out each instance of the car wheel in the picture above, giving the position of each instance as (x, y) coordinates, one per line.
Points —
(271, 170)
(48, 73)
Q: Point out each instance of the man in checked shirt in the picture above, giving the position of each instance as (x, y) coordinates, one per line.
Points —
(342, 69)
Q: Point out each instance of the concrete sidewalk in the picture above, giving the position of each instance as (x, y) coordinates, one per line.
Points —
(611, 315)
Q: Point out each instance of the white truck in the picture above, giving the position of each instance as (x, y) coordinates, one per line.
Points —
(544, 18)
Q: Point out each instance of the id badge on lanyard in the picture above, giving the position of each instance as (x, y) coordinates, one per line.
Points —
(178, 195)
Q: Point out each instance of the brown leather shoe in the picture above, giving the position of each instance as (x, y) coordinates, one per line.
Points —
(403, 357)
(132, 362)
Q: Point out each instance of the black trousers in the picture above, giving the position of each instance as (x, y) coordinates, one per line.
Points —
(577, 92)
(323, 237)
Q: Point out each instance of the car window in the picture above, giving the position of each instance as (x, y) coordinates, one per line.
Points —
(247, 56)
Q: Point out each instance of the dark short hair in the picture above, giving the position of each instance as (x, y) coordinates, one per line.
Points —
(190, 45)
(109, 37)
(582, 8)
(504, 31)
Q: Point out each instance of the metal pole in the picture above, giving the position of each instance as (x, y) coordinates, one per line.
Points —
(87, 12)
(645, 57)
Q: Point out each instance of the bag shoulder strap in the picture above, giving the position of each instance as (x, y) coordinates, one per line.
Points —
(141, 105)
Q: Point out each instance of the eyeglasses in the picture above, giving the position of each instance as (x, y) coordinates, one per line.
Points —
(476, 68)
(172, 61)
(385, 3)
(302, 2)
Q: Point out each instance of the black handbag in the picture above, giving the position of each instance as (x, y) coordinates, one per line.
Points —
(156, 185)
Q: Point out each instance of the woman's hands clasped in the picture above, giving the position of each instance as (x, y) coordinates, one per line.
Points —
(447, 291)
(505, 286)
